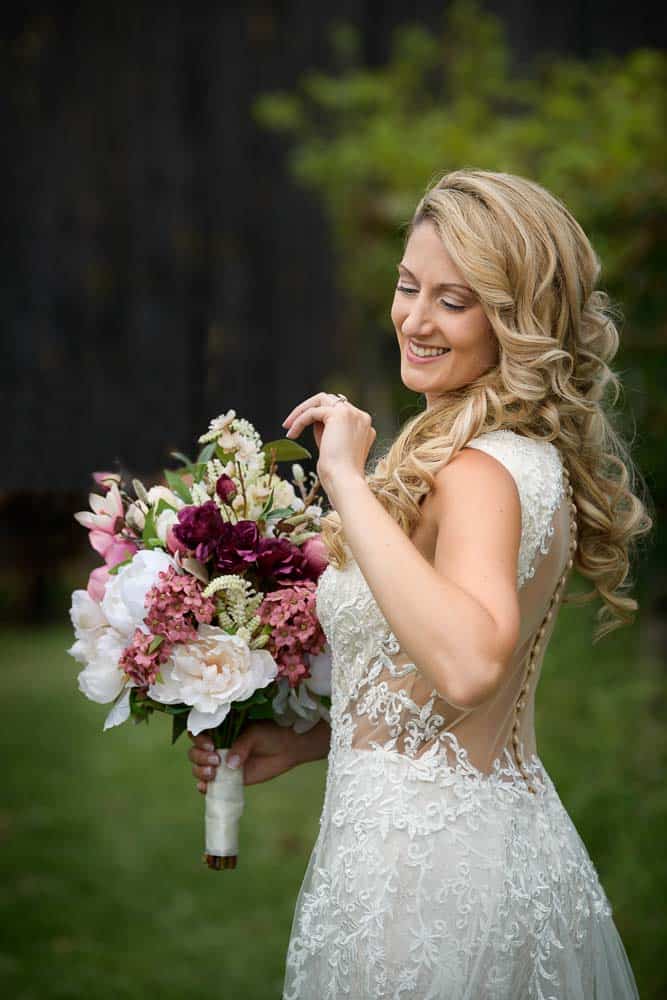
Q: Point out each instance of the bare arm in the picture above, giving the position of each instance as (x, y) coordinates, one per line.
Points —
(459, 619)
(313, 745)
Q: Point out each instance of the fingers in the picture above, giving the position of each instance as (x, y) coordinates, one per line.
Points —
(320, 398)
(202, 740)
(309, 416)
(205, 761)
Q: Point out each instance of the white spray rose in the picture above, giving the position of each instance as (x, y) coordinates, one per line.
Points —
(210, 673)
(157, 493)
(163, 522)
(123, 602)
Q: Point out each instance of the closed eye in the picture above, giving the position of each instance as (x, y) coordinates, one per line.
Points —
(409, 291)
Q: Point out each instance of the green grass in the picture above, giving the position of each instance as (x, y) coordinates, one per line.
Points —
(104, 894)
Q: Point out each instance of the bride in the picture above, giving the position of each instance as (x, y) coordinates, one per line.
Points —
(446, 865)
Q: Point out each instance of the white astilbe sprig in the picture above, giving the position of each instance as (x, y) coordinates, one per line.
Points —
(199, 493)
(247, 430)
(214, 469)
(237, 604)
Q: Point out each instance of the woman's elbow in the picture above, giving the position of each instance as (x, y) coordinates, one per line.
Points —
(477, 681)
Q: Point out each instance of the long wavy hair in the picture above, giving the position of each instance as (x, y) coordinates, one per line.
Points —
(534, 272)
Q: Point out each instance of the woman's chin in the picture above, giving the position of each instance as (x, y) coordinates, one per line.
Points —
(419, 383)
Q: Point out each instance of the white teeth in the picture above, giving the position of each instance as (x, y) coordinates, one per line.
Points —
(427, 352)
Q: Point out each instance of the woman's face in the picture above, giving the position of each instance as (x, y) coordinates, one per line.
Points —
(434, 308)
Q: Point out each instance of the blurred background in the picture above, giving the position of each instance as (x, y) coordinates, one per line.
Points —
(204, 208)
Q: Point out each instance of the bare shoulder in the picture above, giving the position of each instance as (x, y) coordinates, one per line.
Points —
(477, 510)
(477, 480)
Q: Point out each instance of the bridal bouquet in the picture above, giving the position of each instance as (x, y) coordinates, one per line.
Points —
(204, 608)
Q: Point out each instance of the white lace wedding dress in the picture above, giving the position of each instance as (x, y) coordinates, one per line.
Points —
(446, 865)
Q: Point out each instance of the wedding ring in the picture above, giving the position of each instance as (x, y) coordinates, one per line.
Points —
(341, 397)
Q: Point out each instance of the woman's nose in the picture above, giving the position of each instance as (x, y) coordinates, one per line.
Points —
(418, 321)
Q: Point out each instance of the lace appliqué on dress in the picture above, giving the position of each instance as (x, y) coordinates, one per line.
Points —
(431, 879)
(537, 471)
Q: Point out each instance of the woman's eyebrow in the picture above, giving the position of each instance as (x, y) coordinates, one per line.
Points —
(443, 284)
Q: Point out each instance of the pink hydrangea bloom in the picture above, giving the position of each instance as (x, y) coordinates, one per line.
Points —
(141, 666)
(176, 606)
(291, 613)
(292, 666)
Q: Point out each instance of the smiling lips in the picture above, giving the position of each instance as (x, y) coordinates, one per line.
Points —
(418, 354)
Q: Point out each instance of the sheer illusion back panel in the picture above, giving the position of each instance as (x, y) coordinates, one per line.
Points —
(393, 707)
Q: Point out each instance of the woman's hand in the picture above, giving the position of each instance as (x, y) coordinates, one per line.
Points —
(343, 434)
(264, 750)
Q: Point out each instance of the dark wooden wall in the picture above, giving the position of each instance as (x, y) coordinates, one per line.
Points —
(158, 264)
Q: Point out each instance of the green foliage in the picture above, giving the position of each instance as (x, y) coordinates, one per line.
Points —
(285, 450)
(178, 486)
(370, 141)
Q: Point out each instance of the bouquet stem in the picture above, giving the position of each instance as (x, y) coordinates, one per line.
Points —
(224, 805)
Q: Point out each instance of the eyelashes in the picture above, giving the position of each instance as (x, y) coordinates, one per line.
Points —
(408, 291)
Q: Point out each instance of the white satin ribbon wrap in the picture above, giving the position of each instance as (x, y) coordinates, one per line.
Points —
(224, 805)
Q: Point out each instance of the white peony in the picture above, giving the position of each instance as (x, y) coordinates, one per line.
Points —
(85, 612)
(98, 647)
(102, 679)
(296, 707)
(88, 620)
(123, 601)
(210, 673)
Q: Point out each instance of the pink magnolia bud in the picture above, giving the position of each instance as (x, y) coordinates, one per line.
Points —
(97, 582)
(119, 550)
(105, 479)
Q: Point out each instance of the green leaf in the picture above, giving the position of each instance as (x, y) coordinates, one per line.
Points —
(179, 724)
(281, 512)
(154, 543)
(261, 711)
(163, 505)
(178, 486)
(140, 709)
(224, 456)
(267, 505)
(286, 450)
(178, 709)
(149, 526)
(156, 641)
(206, 454)
(182, 458)
(125, 562)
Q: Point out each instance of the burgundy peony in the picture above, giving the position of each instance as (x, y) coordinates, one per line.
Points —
(200, 529)
(237, 547)
(225, 487)
(281, 560)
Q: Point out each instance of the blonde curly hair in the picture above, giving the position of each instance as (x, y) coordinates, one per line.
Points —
(534, 272)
